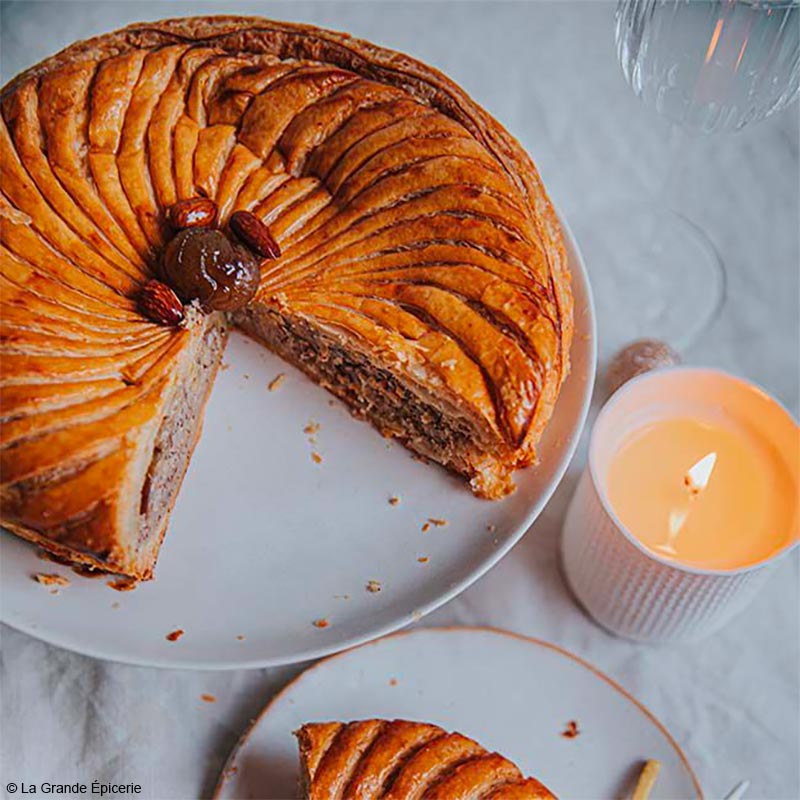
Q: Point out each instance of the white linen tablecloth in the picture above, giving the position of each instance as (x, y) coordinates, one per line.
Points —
(548, 72)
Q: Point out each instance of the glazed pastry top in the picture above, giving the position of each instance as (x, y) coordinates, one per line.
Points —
(407, 219)
(402, 760)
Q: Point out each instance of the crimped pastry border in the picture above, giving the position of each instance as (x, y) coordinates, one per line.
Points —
(288, 40)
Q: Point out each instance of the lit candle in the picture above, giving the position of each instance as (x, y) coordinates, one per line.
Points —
(690, 495)
(710, 493)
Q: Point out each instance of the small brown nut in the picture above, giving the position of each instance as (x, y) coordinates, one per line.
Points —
(255, 234)
(195, 212)
(160, 304)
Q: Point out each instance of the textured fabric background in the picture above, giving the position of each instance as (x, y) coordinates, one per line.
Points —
(549, 73)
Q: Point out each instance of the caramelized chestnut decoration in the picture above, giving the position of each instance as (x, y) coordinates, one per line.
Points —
(203, 264)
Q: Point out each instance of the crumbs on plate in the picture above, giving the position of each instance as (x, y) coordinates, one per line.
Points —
(51, 579)
(392, 681)
(174, 636)
(311, 427)
(394, 500)
(423, 559)
(276, 381)
(208, 698)
(321, 623)
(571, 730)
(373, 586)
(316, 458)
(437, 522)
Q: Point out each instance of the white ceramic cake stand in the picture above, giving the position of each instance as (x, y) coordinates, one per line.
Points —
(263, 540)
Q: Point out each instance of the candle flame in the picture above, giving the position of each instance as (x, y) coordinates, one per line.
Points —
(698, 476)
(695, 480)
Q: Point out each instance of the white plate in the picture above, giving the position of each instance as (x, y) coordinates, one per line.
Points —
(263, 541)
(511, 693)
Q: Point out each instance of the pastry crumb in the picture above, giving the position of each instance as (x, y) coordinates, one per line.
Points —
(392, 681)
(276, 381)
(240, 637)
(316, 457)
(123, 584)
(423, 559)
(321, 623)
(224, 367)
(394, 500)
(341, 597)
(416, 616)
(571, 730)
(175, 635)
(311, 427)
(439, 523)
(373, 586)
(115, 604)
(246, 376)
(208, 698)
(51, 579)
(426, 526)
(491, 528)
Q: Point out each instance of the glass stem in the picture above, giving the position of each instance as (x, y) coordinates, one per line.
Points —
(668, 203)
(667, 196)
(679, 148)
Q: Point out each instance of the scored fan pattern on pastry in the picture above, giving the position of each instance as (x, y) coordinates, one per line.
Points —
(400, 760)
(417, 243)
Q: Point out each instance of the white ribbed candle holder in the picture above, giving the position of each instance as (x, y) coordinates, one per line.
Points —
(626, 587)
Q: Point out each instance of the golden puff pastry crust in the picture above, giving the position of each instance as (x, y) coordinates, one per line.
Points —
(401, 760)
(422, 275)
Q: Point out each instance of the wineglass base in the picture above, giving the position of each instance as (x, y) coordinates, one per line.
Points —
(655, 275)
